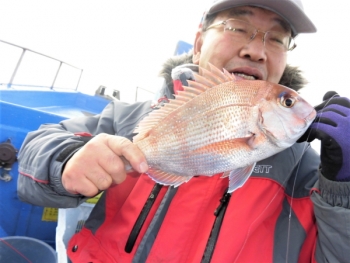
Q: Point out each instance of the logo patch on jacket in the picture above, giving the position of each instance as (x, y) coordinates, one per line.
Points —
(262, 169)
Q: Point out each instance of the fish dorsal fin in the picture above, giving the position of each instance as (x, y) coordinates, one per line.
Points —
(214, 76)
(204, 81)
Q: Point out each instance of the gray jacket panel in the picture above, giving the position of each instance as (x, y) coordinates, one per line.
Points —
(39, 182)
(332, 211)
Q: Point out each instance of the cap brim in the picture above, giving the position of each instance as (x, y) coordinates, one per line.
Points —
(287, 9)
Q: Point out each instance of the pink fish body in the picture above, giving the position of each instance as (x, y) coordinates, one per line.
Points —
(220, 125)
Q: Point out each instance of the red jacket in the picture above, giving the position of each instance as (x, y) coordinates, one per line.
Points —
(261, 234)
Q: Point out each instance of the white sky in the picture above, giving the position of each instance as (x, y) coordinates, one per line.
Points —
(122, 44)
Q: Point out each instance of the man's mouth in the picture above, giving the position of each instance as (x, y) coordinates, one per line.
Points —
(240, 75)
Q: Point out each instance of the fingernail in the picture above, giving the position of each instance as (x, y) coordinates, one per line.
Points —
(143, 167)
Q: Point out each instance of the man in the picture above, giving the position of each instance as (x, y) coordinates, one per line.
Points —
(288, 211)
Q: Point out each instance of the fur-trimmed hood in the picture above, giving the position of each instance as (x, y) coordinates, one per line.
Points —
(291, 77)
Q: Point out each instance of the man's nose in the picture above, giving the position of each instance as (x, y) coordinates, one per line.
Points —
(255, 48)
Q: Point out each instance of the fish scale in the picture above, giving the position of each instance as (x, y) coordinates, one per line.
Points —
(221, 125)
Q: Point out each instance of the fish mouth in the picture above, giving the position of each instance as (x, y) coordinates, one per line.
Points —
(247, 73)
(309, 118)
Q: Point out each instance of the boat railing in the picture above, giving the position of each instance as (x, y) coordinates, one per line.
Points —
(19, 63)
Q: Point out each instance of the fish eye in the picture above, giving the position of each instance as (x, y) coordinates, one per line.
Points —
(287, 102)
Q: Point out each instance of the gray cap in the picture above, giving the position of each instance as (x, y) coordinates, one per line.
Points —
(291, 10)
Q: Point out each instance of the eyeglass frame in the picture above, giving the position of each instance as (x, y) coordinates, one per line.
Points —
(224, 23)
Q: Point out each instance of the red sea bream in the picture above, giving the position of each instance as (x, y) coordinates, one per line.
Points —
(221, 125)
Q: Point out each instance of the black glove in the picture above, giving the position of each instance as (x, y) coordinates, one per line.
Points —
(332, 127)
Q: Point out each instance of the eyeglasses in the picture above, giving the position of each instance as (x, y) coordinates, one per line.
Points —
(243, 32)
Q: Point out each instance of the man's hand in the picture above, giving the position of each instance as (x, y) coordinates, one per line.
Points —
(332, 127)
(97, 165)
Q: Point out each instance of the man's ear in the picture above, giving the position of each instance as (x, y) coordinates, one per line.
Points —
(197, 47)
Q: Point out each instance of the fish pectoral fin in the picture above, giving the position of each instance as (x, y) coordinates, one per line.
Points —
(238, 177)
(167, 178)
(225, 146)
(225, 174)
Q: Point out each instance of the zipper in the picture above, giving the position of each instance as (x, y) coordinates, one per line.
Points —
(142, 217)
(214, 234)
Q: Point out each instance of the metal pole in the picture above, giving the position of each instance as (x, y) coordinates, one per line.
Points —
(137, 88)
(81, 73)
(136, 94)
(17, 66)
(54, 80)
(37, 53)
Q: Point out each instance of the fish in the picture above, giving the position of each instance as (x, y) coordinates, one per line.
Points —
(220, 125)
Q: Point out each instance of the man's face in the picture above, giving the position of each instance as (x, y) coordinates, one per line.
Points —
(250, 59)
